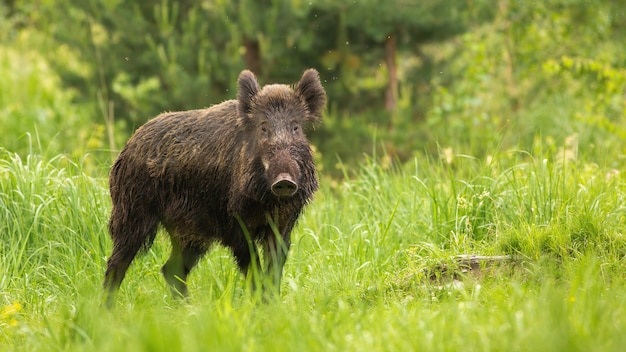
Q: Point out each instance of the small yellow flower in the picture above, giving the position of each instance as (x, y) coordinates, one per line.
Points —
(9, 311)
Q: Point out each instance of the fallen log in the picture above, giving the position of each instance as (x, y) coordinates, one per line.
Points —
(466, 264)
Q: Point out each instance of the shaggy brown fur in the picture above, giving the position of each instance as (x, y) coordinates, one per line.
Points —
(227, 174)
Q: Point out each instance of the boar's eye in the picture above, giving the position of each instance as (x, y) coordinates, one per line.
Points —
(295, 127)
(264, 129)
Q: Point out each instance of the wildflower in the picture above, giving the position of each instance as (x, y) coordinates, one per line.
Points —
(8, 313)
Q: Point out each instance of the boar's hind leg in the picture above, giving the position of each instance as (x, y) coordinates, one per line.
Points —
(178, 266)
(128, 239)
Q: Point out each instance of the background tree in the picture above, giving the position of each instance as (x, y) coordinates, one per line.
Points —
(377, 30)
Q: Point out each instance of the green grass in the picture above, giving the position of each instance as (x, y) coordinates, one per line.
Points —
(355, 279)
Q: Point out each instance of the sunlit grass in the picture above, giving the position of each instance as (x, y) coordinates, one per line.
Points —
(356, 278)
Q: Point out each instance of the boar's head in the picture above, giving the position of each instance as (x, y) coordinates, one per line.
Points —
(275, 118)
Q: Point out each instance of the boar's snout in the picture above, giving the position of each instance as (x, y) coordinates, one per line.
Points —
(284, 186)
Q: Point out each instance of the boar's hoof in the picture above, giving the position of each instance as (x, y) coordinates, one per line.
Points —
(284, 186)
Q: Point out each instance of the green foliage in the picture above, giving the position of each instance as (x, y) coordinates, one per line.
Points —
(188, 54)
(472, 76)
(34, 112)
(168, 67)
(599, 88)
(531, 73)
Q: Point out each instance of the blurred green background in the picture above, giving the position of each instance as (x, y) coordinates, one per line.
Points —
(404, 77)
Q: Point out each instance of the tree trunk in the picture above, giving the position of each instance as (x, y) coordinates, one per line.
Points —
(392, 82)
(252, 55)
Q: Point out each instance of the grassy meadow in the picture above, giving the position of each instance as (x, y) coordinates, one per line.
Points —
(514, 147)
(363, 273)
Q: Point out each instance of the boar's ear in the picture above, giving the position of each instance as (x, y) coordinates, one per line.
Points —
(310, 90)
(247, 89)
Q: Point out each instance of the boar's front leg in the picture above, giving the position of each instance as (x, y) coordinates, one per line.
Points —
(177, 268)
(275, 250)
(247, 258)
